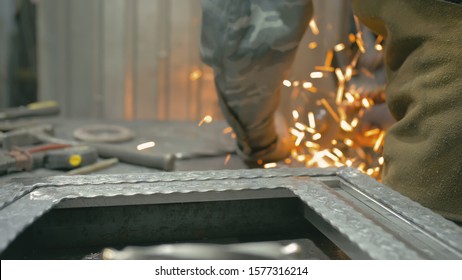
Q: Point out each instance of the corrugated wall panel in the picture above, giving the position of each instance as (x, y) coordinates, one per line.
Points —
(137, 59)
(113, 59)
(145, 105)
(6, 26)
(53, 52)
(83, 63)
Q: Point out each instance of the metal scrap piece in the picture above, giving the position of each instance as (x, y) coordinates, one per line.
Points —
(246, 251)
(364, 218)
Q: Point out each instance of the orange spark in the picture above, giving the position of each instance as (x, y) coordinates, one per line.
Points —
(316, 75)
(348, 142)
(270, 165)
(366, 103)
(313, 45)
(227, 130)
(307, 85)
(195, 75)
(146, 145)
(379, 141)
(346, 126)
(207, 119)
(312, 145)
(311, 120)
(378, 47)
(330, 110)
(228, 157)
(329, 57)
(324, 68)
(295, 114)
(314, 27)
(372, 132)
(381, 160)
(339, 47)
(316, 136)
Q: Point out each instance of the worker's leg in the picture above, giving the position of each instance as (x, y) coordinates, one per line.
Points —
(251, 45)
(423, 150)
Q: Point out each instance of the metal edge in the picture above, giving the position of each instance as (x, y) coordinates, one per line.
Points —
(371, 239)
(19, 187)
(434, 224)
(320, 198)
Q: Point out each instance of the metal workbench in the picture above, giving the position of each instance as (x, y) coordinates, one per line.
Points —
(331, 213)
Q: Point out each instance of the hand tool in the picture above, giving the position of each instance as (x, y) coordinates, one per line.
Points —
(42, 133)
(50, 156)
(70, 158)
(100, 165)
(44, 108)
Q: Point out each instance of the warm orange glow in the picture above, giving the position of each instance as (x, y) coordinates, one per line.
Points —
(321, 142)
(195, 75)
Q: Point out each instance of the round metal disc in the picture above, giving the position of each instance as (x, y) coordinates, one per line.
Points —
(103, 133)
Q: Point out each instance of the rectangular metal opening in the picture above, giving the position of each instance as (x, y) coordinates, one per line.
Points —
(77, 233)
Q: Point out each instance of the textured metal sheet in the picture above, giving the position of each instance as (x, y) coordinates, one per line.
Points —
(362, 217)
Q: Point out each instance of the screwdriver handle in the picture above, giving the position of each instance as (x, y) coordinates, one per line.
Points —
(163, 162)
(44, 108)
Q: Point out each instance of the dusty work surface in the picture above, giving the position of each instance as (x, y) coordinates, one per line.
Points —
(202, 148)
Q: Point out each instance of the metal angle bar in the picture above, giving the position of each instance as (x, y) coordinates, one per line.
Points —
(420, 218)
(20, 187)
(355, 224)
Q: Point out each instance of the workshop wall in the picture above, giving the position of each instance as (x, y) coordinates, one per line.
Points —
(139, 59)
(6, 26)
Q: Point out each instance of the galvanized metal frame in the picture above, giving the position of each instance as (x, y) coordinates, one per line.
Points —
(364, 218)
